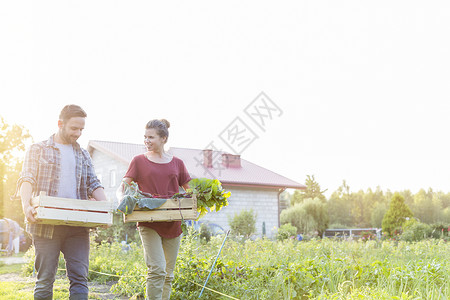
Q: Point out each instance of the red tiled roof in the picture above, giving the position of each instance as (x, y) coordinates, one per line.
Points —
(249, 174)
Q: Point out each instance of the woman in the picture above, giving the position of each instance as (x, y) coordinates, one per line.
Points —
(161, 174)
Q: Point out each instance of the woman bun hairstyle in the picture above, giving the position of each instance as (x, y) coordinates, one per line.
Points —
(167, 123)
(161, 126)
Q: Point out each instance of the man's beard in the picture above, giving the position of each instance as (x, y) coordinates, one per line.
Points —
(65, 137)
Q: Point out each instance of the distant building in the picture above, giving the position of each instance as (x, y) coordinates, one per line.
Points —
(251, 186)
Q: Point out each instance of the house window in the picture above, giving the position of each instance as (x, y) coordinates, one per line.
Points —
(112, 178)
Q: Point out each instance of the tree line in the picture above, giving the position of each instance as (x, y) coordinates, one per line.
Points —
(310, 209)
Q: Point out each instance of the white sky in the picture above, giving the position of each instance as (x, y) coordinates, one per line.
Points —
(363, 85)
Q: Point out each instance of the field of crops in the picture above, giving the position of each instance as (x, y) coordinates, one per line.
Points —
(265, 269)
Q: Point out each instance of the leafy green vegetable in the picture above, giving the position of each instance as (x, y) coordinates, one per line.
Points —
(132, 196)
(209, 193)
(132, 190)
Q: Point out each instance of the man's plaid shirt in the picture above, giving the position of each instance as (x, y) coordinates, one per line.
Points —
(42, 168)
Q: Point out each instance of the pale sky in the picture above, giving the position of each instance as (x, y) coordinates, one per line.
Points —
(362, 87)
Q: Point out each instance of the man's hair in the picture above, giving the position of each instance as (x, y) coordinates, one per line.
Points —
(70, 111)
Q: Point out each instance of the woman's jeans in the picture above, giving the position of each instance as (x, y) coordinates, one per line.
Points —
(160, 256)
(73, 242)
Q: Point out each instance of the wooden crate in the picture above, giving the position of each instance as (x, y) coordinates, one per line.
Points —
(171, 210)
(72, 212)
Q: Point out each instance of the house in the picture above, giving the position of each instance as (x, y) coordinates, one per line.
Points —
(251, 186)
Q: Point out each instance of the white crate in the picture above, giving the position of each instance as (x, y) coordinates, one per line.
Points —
(72, 212)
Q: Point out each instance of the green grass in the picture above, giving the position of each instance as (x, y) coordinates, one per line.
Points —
(16, 290)
(24, 290)
(14, 268)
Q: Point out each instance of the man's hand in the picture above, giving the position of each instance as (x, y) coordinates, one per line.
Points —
(30, 214)
(28, 209)
(99, 195)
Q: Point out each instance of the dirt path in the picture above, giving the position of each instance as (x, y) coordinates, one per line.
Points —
(9, 260)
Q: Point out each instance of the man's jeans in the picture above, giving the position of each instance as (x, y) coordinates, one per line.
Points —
(73, 242)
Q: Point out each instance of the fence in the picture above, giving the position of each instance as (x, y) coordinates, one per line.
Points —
(354, 233)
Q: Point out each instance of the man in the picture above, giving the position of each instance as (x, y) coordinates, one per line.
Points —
(61, 168)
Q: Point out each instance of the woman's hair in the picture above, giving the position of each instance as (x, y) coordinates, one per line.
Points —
(70, 111)
(161, 127)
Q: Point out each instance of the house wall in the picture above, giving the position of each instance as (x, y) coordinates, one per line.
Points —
(264, 203)
(110, 172)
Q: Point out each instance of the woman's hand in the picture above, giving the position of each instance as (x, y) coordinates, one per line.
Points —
(121, 189)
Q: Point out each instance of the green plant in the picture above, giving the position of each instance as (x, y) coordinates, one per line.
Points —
(396, 215)
(117, 232)
(243, 223)
(263, 269)
(205, 233)
(286, 231)
(210, 195)
(440, 230)
(416, 232)
(309, 216)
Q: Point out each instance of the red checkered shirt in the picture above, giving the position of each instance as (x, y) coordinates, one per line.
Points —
(42, 168)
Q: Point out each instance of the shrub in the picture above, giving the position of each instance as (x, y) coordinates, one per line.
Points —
(286, 231)
(439, 231)
(308, 216)
(410, 222)
(205, 232)
(416, 232)
(243, 223)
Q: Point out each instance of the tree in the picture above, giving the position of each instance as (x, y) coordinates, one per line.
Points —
(348, 209)
(409, 198)
(340, 206)
(423, 207)
(397, 214)
(377, 214)
(299, 218)
(312, 191)
(446, 215)
(445, 199)
(309, 216)
(243, 223)
(361, 208)
(378, 207)
(12, 144)
(284, 199)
